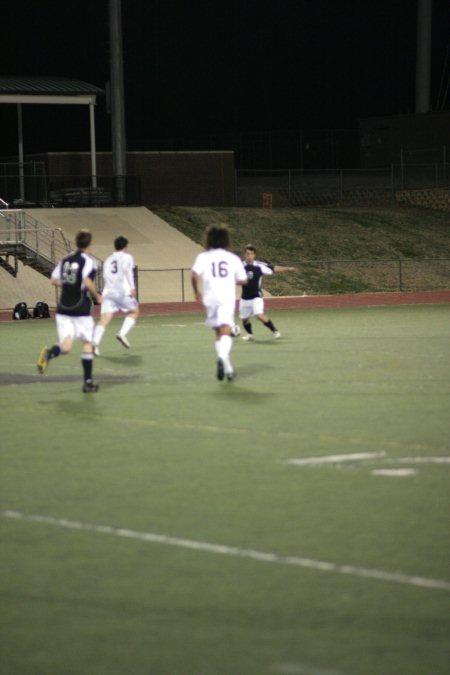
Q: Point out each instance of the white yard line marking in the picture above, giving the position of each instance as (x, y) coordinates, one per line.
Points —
(221, 549)
(336, 459)
(394, 472)
(423, 460)
(365, 456)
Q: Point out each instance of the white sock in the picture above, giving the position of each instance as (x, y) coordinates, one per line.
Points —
(127, 325)
(98, 334)
(225, 343)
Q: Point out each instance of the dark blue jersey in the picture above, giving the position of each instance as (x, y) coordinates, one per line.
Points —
(71, 271)
(255, 273)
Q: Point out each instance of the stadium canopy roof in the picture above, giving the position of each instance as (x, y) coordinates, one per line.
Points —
(49, 91)
(15, 89)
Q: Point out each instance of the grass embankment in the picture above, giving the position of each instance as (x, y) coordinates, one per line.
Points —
(311, 236)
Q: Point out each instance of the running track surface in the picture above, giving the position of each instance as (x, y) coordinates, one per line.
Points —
(297, 302)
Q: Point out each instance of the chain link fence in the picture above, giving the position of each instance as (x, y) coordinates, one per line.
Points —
(315, 277)
(348, 276)
(317, 187)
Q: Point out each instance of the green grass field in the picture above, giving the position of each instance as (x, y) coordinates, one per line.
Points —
(158, 526)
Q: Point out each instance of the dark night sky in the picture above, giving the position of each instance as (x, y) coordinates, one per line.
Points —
(194, 68)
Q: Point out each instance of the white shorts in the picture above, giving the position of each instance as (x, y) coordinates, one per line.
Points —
(118, 303)
(248, 308)
(219, 314)
(74, 327)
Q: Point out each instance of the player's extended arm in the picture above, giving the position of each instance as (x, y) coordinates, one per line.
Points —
(281, 268)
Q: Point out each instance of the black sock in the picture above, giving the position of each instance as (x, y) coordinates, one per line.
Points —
(87, 360)
(248, 327)
(54, 351)
(270, 325)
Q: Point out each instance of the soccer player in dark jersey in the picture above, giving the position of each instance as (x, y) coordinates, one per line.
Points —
(252, 302)
(74, 275)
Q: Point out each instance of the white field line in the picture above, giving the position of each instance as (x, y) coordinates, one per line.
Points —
(364, 456)
(395, 473)
(336, 459)
(422, 460)
(220, 549)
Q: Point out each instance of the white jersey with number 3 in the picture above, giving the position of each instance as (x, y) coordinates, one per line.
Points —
(118, 274)
(219, 270)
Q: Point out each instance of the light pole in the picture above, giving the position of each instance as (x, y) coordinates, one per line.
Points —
(118, 140)
(423, 62)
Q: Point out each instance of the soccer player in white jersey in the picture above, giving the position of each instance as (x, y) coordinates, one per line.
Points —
(119, 294)
(220, 271)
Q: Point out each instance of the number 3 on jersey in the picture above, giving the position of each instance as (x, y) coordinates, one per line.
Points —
(220, 269)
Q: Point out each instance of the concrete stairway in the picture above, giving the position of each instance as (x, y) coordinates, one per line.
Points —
(160, 251)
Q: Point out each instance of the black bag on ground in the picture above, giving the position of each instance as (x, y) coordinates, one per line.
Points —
(41, 311)
(20, 311)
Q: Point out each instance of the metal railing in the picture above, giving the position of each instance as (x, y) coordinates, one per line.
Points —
(18, 228)
(73, 190)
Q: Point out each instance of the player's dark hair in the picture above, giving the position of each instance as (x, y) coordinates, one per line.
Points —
(83, 239)
(120, 242)
(217, 236)
(250, 247)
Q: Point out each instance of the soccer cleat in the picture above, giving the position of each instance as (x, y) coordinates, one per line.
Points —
(220, 369)
(95, 350)
(277, 335)
(123, 340)
(42, 361)
(230, 375)
(247, 338)
(89, 386)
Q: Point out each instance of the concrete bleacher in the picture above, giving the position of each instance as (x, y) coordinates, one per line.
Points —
(154, 244)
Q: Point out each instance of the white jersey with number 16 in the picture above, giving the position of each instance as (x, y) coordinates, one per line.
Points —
(219, 270)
